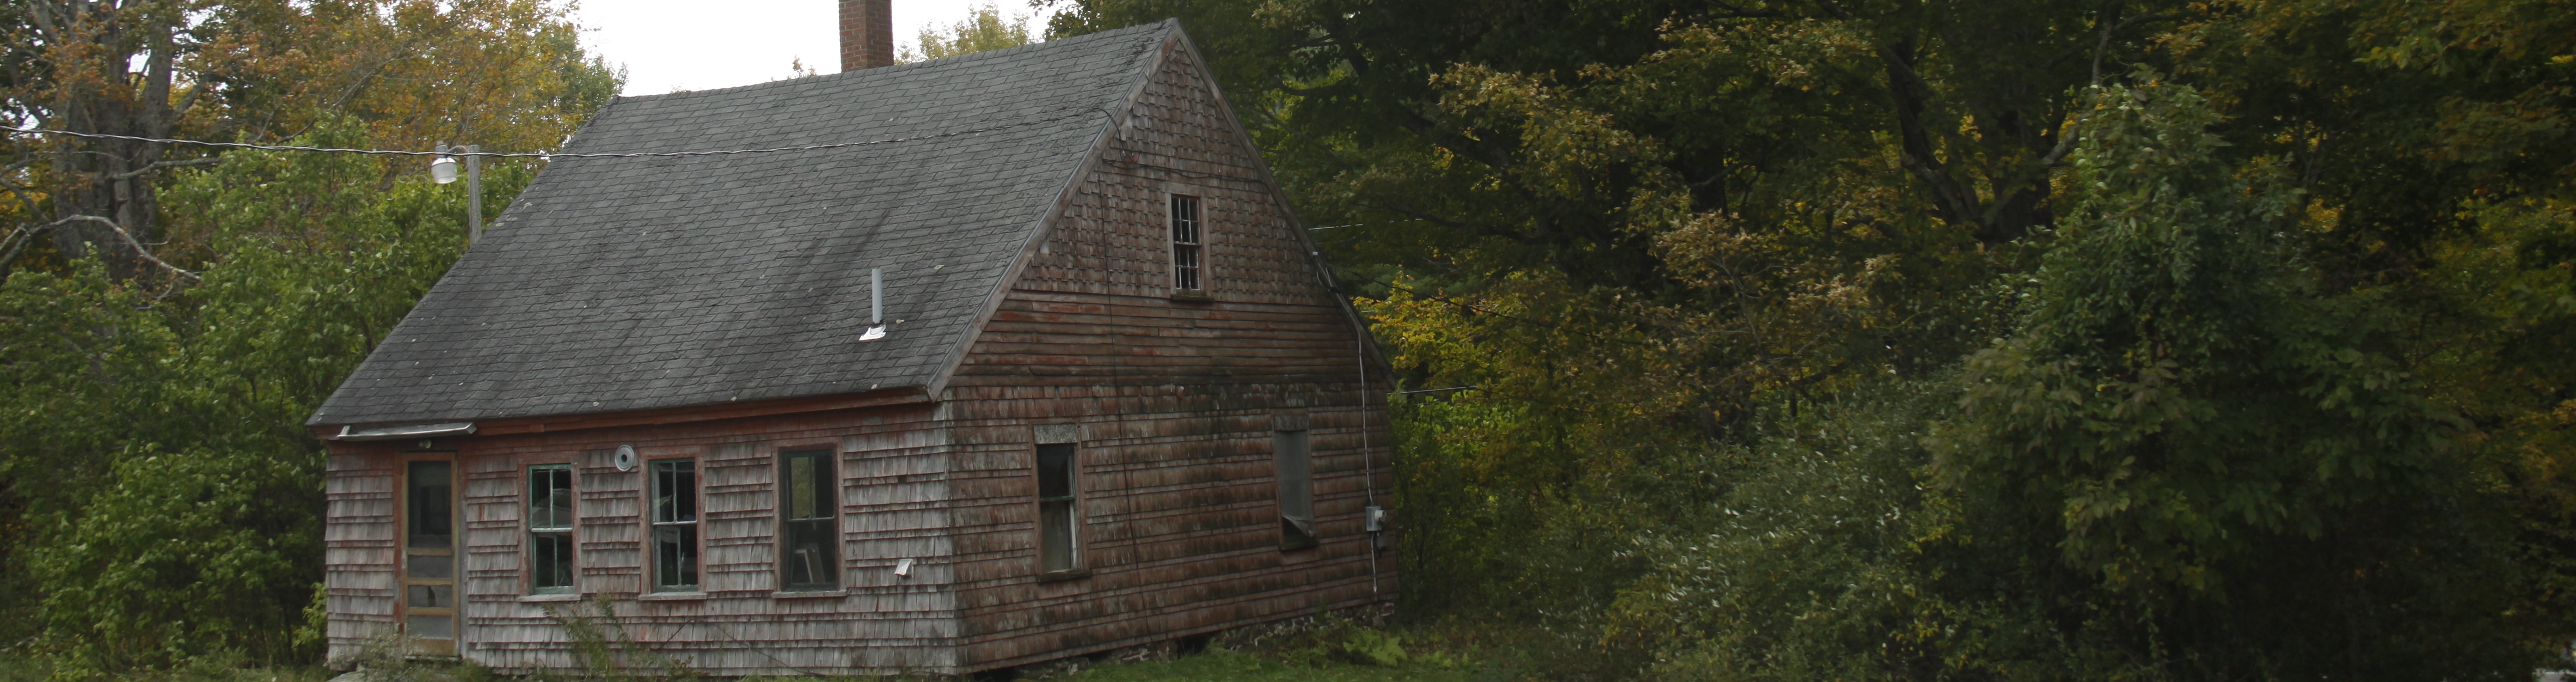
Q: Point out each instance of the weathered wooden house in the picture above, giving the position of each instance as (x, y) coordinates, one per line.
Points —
(1004, 358)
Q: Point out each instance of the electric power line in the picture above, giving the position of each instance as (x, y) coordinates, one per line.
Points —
(1382, 222)
(541, 155)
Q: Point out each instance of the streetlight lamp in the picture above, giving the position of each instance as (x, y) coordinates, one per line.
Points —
(442, 168)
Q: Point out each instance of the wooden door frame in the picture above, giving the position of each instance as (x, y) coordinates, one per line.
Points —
(455, 544)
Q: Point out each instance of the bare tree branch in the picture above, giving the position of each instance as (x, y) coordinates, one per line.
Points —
(2067, 138)
(129, 240)
(2104, 46)
(15, 243)
(157, 165)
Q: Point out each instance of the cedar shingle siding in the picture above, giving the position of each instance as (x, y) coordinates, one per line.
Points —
(709, 308)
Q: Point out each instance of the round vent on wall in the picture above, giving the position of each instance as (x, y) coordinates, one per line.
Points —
(625, 458)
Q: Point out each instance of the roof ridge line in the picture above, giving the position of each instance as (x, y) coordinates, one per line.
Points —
(968, 58)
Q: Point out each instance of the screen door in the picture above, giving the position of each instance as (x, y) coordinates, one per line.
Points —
(429, 556)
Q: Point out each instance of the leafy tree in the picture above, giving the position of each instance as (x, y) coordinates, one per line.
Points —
(2261, 361)
(181, 516)
(160, 499)
(506, 74)
(984, 29)
(100, 67)
(2225, 448)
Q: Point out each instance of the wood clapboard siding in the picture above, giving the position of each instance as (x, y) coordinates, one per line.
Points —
(893, 466)
(1175, 402)
(358, 551)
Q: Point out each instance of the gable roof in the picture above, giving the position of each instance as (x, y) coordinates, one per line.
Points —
(617, 284)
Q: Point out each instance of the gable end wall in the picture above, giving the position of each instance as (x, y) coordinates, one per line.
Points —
(1174, 401)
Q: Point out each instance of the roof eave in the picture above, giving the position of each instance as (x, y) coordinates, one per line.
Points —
(503, 426)
(351, 433)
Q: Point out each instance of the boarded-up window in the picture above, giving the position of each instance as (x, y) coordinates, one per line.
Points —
(675, 525)
(1185, 243)
(550, 559)
(810, 558)
(1056, 471)
(1294, 464)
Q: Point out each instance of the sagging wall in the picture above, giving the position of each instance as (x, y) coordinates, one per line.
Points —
(893, 471)
(1175, 400)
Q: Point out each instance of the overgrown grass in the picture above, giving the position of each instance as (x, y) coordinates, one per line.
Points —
(1221, 665)
(1326, 647)
(21, 668)
(1332, 648)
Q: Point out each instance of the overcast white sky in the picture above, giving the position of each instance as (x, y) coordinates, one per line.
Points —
(700, 45)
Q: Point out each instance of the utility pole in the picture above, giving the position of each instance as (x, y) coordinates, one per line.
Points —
(473, 195)
(442, 169)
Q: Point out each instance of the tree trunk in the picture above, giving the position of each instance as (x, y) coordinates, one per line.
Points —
(93, 46)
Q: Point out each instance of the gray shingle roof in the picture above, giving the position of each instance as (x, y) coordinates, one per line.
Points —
(617, 284)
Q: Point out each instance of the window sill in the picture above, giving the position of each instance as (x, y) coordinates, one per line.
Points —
(548, 598)
(1068, 574)
(815, 594)
(671, 596)
(1190, 295)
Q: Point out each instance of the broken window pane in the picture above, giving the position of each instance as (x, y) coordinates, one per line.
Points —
(432, 597)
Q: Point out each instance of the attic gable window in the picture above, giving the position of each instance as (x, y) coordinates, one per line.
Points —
(1185, 243)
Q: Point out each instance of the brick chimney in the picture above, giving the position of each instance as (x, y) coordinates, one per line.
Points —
(867, 34)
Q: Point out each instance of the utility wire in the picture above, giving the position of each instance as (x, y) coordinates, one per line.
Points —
(1384, 222)
(541, 155)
